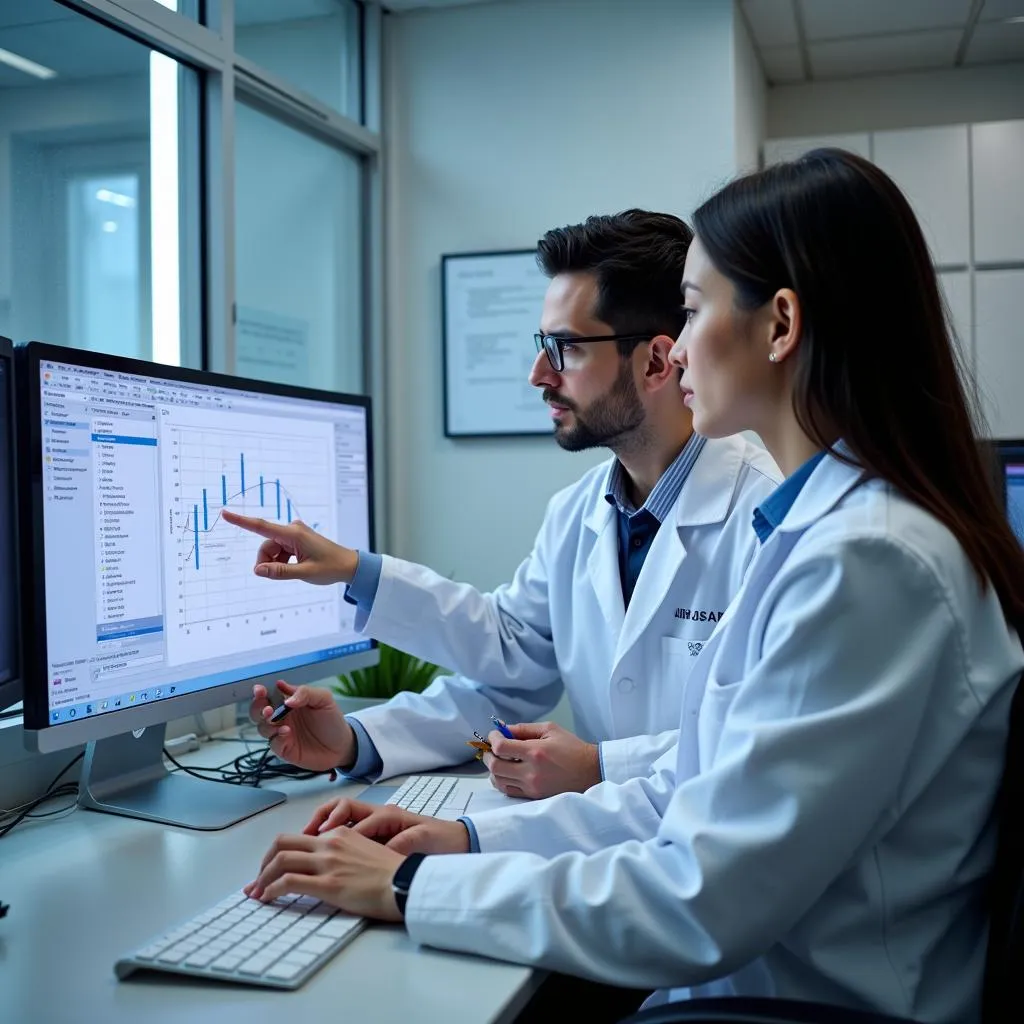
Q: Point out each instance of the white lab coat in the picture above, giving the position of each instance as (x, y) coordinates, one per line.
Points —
(561, 621)
(823, 830)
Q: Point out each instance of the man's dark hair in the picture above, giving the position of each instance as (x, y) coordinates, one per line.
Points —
(637, 257)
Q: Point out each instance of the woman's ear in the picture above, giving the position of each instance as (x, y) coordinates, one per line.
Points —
(786, 320)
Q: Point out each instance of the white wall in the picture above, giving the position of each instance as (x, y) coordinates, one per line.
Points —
(751, 99)
(505, 121)
(911, 100)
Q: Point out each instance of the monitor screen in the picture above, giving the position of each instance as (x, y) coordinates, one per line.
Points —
(145, 595)
(10, 687)
(1011, 459)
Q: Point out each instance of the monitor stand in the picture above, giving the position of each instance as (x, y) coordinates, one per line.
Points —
(126, 775)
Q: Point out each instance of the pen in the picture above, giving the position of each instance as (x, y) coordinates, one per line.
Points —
(502, 728)
(279, 713)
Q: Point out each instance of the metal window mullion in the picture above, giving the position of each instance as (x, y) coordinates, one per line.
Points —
(372, 74)
(259, 88)
(161, 29)
(219, 234)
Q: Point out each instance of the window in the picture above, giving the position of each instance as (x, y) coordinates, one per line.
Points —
(312, 44)
(298, 257)
(92, 255)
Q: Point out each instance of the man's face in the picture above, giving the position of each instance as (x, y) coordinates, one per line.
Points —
(593, 399)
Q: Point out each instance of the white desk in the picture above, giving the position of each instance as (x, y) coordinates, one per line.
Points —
(88, 888)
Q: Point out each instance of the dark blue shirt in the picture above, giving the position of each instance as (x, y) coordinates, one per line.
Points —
(773, 509)
(638, 526)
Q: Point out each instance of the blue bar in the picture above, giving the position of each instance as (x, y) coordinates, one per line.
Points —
(261, 491)
(195, 525)
(224, 489)
(289, 510)
(123, 439)
(206, 521)
(278, 482)
(145, 631)
(241, 462)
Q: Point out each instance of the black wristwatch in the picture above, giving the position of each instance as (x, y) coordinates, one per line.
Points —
(402, 882)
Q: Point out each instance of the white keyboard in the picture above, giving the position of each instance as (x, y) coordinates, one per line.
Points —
(278, 945)
(439, 796)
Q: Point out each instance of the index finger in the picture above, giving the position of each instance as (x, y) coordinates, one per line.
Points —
(286, 842)
(509, 750)
(337, 812)
(261, 527)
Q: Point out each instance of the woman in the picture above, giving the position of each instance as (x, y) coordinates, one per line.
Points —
(825, 828)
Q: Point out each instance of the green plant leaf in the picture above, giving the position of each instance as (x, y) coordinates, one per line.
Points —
(396, 672)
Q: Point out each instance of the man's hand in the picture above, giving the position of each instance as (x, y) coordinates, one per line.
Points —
(399, 829)
(314, 735)
(551, 760)
(341, 868)
(317, 559)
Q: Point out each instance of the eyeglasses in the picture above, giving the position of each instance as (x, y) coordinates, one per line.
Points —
(554, 348)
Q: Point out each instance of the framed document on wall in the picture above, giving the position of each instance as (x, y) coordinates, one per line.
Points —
(490, 309)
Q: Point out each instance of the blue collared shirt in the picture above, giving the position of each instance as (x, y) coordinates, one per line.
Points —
(638, 526)
(773, 509)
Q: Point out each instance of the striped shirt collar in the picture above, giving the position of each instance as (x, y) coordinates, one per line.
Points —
(661, 499)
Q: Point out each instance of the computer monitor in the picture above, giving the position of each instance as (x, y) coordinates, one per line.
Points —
(1010, 460)
(140, 599)
(10, 682)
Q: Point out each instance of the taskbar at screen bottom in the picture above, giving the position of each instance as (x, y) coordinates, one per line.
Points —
(147, 694)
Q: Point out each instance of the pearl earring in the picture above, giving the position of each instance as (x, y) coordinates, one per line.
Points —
(771, 357)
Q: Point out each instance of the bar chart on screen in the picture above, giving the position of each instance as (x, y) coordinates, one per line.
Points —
(280, 470)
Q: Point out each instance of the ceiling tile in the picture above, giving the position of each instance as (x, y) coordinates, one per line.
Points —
(995, 42)
(1000, 10)
(782, 64)
(829, 19)
(76, 48)
(31, 12)
(905, 52)
(772, 22)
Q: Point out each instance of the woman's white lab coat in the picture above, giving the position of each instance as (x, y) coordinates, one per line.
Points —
(823, 830)
(561, 621)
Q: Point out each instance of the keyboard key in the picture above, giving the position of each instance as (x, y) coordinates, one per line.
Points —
(337, 927)
(256, 964)
(227, 963)
(203, 958)
(285, 971)
(297, 957)
(316, 944)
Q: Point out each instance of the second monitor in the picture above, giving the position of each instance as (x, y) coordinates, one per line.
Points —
(141, 600)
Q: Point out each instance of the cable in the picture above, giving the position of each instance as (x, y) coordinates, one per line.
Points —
(13, 817)
(248, 769)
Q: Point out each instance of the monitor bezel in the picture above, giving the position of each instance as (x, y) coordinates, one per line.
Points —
(1003, 448)
(11, 689)
(39, 731)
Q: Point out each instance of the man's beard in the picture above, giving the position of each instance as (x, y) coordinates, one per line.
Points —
(606, 420)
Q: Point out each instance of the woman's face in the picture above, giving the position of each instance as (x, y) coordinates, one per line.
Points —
(727, 381)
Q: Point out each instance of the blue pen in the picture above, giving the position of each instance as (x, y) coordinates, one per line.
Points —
(502, 728)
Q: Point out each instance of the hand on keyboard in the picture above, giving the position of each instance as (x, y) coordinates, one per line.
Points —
(341, 868)
(399, 829)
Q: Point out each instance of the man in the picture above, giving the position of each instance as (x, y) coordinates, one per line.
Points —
(631, 569)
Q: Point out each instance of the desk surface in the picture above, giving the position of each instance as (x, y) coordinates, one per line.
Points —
(90, 887)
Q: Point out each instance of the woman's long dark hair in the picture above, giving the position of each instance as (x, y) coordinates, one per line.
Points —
(876, 365)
